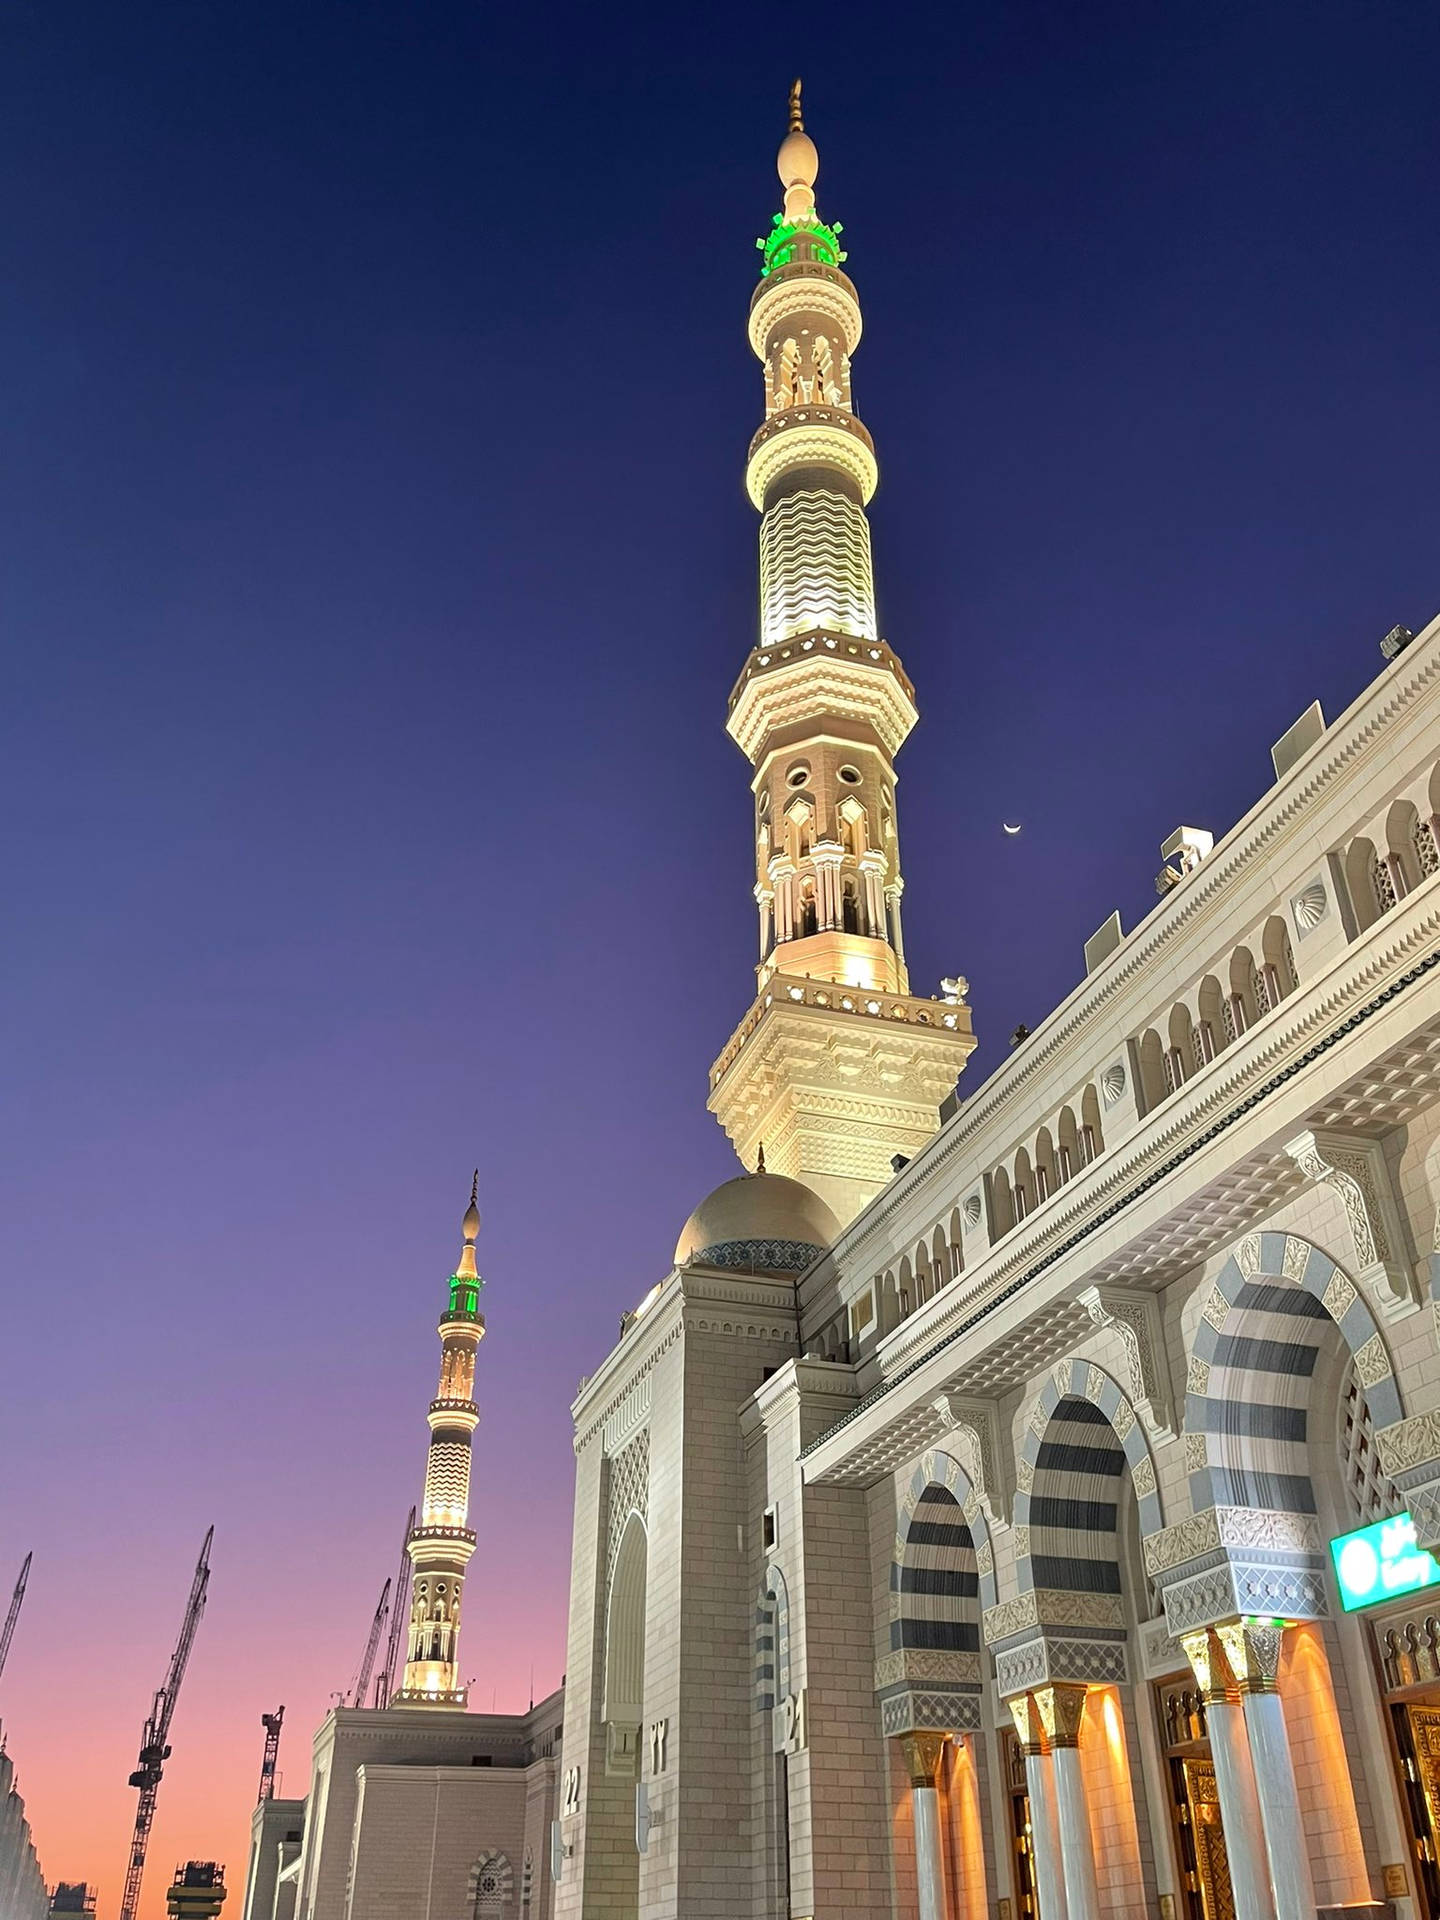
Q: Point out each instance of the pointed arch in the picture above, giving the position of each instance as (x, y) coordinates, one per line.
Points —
(1255, 1350)
(492, 1882)
(625, 1628)
(942, 1572)
(1082, 1438)
(772, 1641)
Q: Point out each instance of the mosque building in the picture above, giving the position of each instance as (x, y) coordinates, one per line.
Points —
(1008, 1507)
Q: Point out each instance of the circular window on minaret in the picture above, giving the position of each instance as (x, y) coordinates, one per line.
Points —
(797, 775)
(850, 775)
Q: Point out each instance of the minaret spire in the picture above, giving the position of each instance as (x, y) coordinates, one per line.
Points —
(821, 709)
(440, 1545)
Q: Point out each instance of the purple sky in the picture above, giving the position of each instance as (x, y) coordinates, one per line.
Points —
(374, 565)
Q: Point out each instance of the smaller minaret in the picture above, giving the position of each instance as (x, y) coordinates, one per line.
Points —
(441, 1543)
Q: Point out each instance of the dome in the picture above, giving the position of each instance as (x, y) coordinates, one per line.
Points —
(761, 1222)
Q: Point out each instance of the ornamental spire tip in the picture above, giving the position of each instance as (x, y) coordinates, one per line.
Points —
(470, 1227)
(797, 123)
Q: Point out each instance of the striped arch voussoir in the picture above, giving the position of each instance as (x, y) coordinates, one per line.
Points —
(1084, 1380)
(1282, 1262)
(937, 1468)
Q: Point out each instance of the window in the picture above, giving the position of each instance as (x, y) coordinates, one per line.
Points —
(767, 1528)
(797, 775)
(850, 775)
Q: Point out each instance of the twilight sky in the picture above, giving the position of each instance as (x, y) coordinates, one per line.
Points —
(374, 565)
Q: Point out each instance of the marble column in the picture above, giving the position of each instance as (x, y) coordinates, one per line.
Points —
(924, 1756)
(1062, 1708)
(1044, 1820)
(1234, 1777)
(1252, 1650)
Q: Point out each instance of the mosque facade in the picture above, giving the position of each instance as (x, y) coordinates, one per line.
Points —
(1008, 1505)
(1014, 1506)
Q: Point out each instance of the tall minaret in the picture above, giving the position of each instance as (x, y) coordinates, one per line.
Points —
(837, 1066)
(441, 1544)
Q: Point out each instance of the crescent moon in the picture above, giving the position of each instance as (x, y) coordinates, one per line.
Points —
(1008, 828)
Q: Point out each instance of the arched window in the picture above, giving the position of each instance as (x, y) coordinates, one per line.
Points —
(1154, 1081)
(1092, 1140)
(1047, 1177)
(1024, 1185)
(1211, 1032)
(787, 381)
(809, 921)
(1241, 1003)
(824, 363)
(957, 1244)
(1067, 1145)
(849, 906)
(1278, 968)
(1180, 1051)
(1002, 1203)
(492, 1882)
(1360, 883)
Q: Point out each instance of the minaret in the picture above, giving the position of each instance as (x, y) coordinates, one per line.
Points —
(441, 1543)
(837, 1066)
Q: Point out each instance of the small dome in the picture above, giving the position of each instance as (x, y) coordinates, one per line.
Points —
(797, 162)
(761, 1222)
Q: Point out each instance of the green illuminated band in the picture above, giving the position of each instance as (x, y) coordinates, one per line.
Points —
(465, 1294)
(779, 245)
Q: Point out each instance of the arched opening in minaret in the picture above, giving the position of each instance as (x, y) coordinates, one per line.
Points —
(623, 1711)
(849, 907)
(809, 916)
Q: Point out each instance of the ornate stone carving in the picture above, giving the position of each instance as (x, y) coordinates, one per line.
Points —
(1112, 1083)
(1296, 1257)
(1061, 1710)
(1135, 1316)
(1410, 1443)
(1213, 1528)
(1197, 1376)
(1216, 1309)
(1372, 1361)
(1052, 1607)
(1247, 1254)
(1339, 1296)
(928, 1666)
(1354, 1169)
(992, 1463)
(1142, 1477)
(1309, 907)
(1197, 1454)
(924, 1753)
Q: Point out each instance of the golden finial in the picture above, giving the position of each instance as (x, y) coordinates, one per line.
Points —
(760, 1156)
(470, 1227)
(797, 124)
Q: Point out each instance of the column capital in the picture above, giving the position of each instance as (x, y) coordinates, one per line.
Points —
(1209, 1665)
(1252, 1652)
(924, 1753)
(1061, 1708)
(1028, 1726)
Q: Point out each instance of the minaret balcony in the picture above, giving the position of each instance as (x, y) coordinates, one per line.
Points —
(811, 436)
(454, 1413)
(800, 993)
(804, 288)
(821, 676)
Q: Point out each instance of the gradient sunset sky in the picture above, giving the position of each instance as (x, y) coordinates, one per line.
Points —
(374, 566)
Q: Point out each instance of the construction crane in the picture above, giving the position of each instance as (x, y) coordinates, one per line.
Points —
(8, 1632)
(385, 1684)
(155, 1738)
(271, 1723)
(367, 1663)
